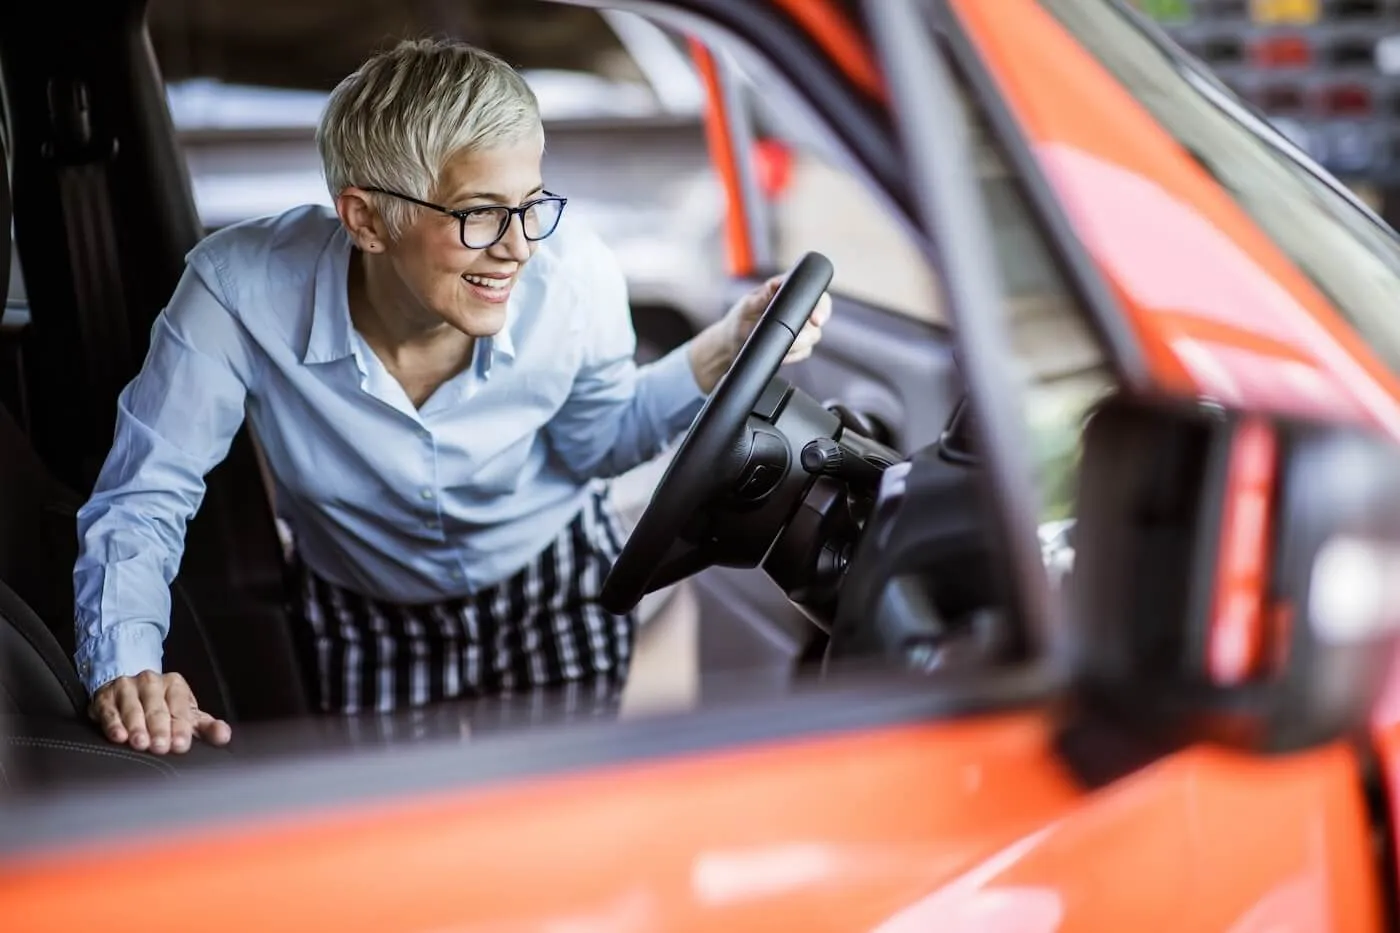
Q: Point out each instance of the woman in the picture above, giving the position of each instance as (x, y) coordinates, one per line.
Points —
(436, 371)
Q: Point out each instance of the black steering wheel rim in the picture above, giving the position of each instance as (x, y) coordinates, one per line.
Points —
(689, 477)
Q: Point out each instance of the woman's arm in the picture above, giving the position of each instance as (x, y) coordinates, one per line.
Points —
(619, 415)
(175, 422)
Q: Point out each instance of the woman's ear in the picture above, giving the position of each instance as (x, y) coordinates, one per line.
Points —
(363, 222)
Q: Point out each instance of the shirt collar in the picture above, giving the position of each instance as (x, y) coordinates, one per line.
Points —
(331, 330)
(502, 344)
(330, 337)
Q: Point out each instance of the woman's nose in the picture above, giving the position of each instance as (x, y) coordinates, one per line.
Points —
(513, 244)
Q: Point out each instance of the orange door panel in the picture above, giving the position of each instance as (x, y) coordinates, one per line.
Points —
(962, 826)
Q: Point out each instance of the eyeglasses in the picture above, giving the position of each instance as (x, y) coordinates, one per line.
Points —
(483, 227)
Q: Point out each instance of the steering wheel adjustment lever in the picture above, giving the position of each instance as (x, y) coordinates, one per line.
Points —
(826, 456)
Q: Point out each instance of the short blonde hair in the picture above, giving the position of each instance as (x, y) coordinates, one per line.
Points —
(402, 115)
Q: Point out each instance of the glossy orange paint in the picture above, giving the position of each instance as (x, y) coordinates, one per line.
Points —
(1186, 251)
(835, 35)
(957, 827)
(721, 145)
(1238, 639)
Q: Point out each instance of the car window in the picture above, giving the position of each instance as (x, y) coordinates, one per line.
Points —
(1330, 236)
(815, 203)
(1062, 365)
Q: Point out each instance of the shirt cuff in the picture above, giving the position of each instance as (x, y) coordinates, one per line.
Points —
(123, 651)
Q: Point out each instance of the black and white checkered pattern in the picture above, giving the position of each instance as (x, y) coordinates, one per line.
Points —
(541, 628)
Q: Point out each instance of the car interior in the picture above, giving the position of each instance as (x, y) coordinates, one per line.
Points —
(848, 480)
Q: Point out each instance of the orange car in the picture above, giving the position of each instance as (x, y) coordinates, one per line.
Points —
(1175, 339)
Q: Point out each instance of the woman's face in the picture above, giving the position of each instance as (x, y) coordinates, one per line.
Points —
(469, 288)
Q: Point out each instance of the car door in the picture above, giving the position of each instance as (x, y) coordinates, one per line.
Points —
(900, 803)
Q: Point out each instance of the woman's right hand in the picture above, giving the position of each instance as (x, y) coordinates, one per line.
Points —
(155, 712)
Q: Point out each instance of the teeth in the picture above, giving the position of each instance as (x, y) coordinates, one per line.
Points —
(487, 283)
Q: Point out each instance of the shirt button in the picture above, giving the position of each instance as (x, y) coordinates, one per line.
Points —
(426, 494)
(431, 523)
(456, 574)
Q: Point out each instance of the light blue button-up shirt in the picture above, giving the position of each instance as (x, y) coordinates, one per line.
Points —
(384, 499)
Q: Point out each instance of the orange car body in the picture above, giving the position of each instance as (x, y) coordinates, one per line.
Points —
(960, 826)
(973, 823)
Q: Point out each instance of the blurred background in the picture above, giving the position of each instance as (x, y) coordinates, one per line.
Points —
(1325, 72)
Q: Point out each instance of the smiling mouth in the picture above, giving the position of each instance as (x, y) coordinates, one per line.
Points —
(494, 284)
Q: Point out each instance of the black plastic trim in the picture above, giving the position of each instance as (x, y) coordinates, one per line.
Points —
(1381, 814)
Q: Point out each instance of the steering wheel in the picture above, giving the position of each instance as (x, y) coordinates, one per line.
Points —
(717, 436)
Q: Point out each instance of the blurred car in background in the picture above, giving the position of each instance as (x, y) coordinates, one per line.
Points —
(1326, 74)
(625, 143)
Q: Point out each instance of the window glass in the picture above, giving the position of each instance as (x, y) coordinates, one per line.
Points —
(816, 203)
(1346, 253)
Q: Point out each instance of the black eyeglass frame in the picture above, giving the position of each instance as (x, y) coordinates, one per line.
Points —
(462, 213)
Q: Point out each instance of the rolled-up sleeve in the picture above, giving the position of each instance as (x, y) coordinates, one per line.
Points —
(175, 422)
(618, 415)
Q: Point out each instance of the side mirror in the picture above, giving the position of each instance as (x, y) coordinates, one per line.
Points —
(1237, 578)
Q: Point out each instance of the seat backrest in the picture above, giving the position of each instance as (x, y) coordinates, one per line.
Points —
(36, 679)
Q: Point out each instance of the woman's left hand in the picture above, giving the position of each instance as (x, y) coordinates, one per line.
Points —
(743, 318)
(714, 349)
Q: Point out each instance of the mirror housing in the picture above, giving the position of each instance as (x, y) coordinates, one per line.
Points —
(1237, 577)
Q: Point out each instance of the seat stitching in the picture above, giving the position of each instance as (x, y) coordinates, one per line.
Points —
(105, 752)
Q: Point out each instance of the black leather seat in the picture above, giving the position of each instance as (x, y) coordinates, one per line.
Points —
(46, 740)
(35, 677)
